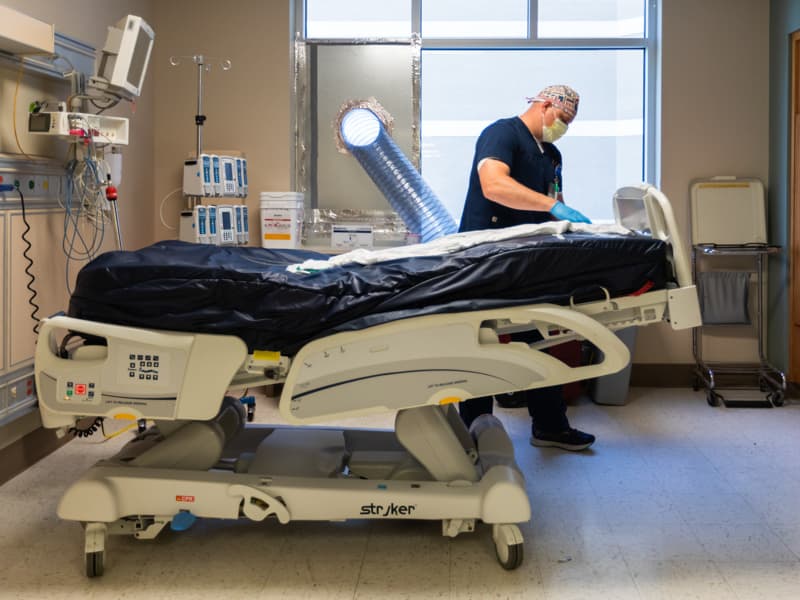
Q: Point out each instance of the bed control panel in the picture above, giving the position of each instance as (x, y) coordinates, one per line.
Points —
(82, 391)
(147, 367)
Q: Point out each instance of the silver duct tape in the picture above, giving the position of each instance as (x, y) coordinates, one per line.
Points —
(301, 133)
(388, 228)
(360, 41)
(416, 92)
(371, 104)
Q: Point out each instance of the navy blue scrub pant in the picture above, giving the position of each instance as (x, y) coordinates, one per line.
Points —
(546, 407)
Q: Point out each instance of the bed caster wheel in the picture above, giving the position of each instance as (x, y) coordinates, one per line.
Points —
(508, 545)
(94, 563)
(94, 550)
(775, 398)
(713, 398)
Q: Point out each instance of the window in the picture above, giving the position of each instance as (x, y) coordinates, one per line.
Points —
(591, 18)
(348, 19)
(474, 19)
(477, 61)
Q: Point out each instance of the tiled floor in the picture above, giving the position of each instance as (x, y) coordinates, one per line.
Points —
(676, 500)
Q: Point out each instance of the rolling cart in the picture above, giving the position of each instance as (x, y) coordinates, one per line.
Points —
(729, 220)
(770, 380)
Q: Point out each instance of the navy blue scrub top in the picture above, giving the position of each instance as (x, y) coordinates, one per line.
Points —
(510, 142)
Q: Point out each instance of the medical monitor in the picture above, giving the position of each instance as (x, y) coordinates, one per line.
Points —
(123, 62)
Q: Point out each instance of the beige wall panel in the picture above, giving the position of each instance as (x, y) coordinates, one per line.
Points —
(714, 115)
(48, 268)
(248, 107)
(49, 264)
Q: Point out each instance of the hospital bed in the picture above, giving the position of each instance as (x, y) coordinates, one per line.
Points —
(163, 335)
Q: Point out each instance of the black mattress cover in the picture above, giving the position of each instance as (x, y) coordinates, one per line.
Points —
(248, 292)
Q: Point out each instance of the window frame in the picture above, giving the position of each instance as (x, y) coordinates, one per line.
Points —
(648, 43)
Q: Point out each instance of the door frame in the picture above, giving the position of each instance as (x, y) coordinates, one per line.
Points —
(794, 212)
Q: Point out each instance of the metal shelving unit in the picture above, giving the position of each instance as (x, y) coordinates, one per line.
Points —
(708, 375)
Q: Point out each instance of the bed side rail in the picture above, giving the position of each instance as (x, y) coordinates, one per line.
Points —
(645, 209)
(128, 372)
(438, 359)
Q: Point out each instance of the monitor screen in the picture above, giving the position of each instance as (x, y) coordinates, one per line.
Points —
(123, 64)
(141, 51)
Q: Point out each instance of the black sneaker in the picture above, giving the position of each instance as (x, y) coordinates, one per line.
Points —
(512, 400)
(570, 439)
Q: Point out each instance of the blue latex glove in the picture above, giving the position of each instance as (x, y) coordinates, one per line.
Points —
(562, 212)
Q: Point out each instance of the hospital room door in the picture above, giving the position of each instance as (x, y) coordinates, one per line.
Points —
(794, 211)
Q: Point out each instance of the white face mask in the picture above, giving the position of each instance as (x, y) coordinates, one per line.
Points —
(555, 131)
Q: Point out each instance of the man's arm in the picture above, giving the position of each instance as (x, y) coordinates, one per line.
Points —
(498, 186)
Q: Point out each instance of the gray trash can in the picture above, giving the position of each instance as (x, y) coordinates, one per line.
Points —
(613, 389)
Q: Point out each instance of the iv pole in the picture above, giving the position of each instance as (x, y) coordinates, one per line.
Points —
(203, 64)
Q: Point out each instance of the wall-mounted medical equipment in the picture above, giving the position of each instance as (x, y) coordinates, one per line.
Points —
(200, 222)
(214, 176)
(124, 59)
(119, 73)
(241, 177)
(226, 223)
(80, 126)
(218, 225)
(363, 133)
(227, 166)
(218, 174)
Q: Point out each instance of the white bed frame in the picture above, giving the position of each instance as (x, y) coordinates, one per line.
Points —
(200, 460)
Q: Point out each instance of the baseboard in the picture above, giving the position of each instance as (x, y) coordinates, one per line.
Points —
(662, 375)
(27, 450)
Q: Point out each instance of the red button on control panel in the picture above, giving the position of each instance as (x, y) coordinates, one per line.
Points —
(80, 388)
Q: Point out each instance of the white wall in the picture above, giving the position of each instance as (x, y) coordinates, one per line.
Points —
(714, 118)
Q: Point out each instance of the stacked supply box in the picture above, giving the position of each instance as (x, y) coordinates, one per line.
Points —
(281, 219)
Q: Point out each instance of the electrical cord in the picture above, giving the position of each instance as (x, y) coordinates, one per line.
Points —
(85, 207)
(6, 187)
(161, 209)
(28, 268)
(84, 432)
(102, 108)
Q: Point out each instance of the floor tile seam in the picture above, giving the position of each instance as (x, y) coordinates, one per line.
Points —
(363, 560)
(539, 575)
(780, 539)
(280, 552)
(596, 494)
(771, 527)
(728, 584)
(639, 591)
(722, 475)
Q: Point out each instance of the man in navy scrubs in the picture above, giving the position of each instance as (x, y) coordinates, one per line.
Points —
(515, 179)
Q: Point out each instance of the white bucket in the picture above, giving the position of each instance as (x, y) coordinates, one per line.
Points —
(281, 219)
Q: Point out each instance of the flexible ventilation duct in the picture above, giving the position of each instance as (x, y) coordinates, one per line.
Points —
(366, 139)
